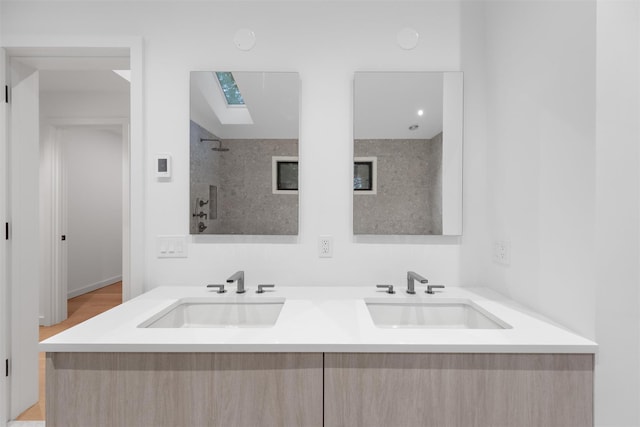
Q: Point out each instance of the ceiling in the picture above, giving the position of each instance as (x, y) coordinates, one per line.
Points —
(271, 98)
(76, 69)
(386, 104)
(82, 81)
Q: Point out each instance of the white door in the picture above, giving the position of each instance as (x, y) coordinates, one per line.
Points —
(24, 276)
(53, 249)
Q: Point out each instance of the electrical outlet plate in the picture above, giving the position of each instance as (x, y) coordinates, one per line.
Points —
(325, 247)
(502, 252)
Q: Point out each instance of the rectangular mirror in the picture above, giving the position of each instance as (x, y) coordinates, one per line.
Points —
(244, 152)
(407, 153)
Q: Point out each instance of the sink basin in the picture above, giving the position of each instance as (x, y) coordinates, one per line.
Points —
(212, 313)
(441, 314)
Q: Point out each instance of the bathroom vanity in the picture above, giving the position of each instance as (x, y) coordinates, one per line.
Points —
(319, 356)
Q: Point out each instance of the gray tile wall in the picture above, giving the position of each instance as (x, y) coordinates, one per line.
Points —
(204, 172)
(409, 188)
(246, 203)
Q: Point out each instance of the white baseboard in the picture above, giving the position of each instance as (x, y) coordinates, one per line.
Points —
(26, 424)
(94, 286)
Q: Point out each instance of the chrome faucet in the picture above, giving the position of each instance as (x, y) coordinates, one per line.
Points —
(221, 289)
(261, 288)
(430, 288)
(238, 276)
(389, 288)
(411, 276)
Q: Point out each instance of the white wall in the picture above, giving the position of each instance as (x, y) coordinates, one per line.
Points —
(476, 249)
(92, 160)
(562, 185)
(452, 153)
(540, 97)
(617, 274)
(290, 37)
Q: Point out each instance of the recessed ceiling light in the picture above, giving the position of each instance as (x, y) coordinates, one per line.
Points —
(413, 127)
(420, 112)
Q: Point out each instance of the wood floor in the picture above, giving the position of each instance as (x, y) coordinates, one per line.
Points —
(79, 309)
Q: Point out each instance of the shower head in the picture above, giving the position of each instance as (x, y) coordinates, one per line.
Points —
(219, 141)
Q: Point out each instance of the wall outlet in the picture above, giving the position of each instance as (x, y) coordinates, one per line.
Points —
(325, 247)
(502, 252)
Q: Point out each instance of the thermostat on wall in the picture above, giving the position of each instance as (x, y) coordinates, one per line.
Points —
(163, 166)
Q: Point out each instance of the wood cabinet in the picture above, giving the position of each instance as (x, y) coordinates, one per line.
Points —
(463, 390)
(316, 389)
(184, 389)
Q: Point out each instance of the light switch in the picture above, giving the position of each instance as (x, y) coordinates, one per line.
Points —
(172, 246)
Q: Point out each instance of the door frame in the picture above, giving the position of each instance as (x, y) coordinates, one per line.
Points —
(5, 315)
(133, 222)
(133, 272)
(55, 259)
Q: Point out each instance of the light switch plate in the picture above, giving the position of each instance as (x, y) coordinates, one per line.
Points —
(172, 246)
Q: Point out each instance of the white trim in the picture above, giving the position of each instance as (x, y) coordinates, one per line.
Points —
(5, 307)
(94, 286)
(26, 424)
(133, 283)
(374, 176)
(274, 173)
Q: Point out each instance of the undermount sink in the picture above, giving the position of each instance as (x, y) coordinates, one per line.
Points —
(440, 314)
(212, 313)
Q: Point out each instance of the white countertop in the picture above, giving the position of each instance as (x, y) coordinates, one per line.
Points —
(317, 319)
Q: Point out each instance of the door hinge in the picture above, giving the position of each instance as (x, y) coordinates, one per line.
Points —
(6, 94)
(6, 231)
(6, 367)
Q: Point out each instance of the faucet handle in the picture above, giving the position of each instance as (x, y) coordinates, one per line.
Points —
(431, 287)
(261, 288)
(388, 287)
(221, 289)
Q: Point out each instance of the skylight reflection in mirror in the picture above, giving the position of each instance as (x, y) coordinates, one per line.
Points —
(229, 88)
